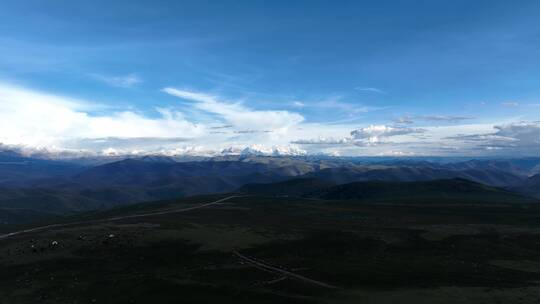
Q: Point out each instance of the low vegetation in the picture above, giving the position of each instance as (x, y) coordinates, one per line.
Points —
(445, 251)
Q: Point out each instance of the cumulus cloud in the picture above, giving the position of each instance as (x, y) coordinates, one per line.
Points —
(377, 133)
(519, 137)
(258, 149)
(38, 119)
(525, 132)
(367, 137)
(47, 123)
(35, 120)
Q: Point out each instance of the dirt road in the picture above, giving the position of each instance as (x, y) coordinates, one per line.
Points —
(112, 219)
(265, 266)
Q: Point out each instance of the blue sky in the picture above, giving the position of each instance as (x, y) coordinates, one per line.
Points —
(334, 77)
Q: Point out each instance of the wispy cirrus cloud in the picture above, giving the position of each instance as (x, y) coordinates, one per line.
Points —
(338, 105)
(252, 131)
(404, 120)
(323, 141)
(371, 90)
(432, 118)
(444, 118)
(298, 104)
(221, 127)
(123, 143)
(236, 113)
(125, 81)
(510, 104)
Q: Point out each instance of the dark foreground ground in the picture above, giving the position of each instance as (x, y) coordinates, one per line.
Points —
(282, 250)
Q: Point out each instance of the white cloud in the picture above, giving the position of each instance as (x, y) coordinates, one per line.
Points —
(299, 104)
(323, 141)
(239, 115)
(124, 143)
(371, 89)
(258, 149)
(527, 132)
(518, 138)
(377, 133)
(405, 120)
(47, 123)
(432, 118)
(38, 119)
(444, 118)
(396, 153)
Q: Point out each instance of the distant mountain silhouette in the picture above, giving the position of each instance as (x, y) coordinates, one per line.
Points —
(16, 169)
(53, 186)
(531, 186)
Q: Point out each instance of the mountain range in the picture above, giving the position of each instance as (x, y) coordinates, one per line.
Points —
(49, 186)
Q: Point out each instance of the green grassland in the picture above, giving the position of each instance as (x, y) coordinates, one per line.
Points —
(439, 252)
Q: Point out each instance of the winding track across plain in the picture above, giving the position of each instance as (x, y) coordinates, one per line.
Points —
(112, 219)
(256, 263)
(268, 267)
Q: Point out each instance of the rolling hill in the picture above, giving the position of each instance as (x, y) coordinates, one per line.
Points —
(446, 190)
(341, 175)
(293, 187)
(532, 186)
(18, 170)
(66, 187)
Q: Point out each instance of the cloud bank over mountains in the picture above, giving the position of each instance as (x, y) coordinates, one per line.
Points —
(36, 121)
(520, 137)
(378, 133)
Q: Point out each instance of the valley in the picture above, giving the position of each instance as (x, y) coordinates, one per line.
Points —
(253, 247)
(272, 229)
